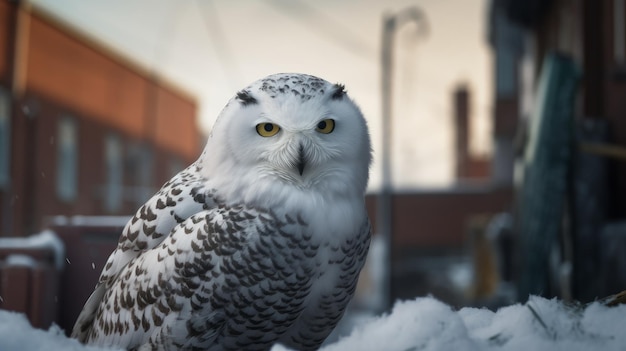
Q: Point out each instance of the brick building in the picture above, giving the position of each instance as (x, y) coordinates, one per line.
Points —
(83, 130)
(86, 136)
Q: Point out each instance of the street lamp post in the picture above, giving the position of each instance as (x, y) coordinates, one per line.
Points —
(391, 22)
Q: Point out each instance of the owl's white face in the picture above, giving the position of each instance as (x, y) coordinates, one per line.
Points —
(294, 130)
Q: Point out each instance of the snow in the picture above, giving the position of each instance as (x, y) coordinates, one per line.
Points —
(44, 239)
(89, 221)
(16, 334)
(20, 260)
(423, 324)
(540, 324)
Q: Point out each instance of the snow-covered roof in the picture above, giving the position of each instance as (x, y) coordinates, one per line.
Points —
(88, 221)
(46, 239)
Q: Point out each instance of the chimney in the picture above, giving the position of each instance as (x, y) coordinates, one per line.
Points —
(461, 120)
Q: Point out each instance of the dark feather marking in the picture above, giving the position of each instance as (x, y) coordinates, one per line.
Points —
(158, 320)
(339, 92)
(245, 98)
(160, 204)
(176, 191)
(149, 214)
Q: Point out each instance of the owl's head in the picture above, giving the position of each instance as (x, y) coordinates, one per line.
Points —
(291, 129)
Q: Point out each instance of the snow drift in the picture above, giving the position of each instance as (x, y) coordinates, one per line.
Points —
(423, 324)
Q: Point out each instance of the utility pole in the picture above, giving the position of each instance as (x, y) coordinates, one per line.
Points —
(384, 207)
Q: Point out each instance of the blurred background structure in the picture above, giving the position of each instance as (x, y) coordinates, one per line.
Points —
(508, 151)
(560, 82)
(83, 132)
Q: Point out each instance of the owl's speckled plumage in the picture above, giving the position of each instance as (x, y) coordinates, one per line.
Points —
(260, 241)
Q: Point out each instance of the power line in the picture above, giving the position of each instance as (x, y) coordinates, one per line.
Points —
(166, 32)
(323, 25)
(222, 50)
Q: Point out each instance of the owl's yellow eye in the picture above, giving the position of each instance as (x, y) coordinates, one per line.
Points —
(326, 126)
(267, 129)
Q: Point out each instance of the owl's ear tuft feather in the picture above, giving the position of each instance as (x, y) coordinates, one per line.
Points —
(245, 98)
(338, 92)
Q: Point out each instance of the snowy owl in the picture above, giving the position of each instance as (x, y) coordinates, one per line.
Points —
(260, 241)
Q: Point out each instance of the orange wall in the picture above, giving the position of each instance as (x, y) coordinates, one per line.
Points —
(99, 86)
(74, 74)
(175, 126)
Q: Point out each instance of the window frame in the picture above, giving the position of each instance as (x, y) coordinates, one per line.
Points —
(67, 159)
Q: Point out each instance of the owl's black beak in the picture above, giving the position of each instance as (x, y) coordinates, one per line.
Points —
(301, 160)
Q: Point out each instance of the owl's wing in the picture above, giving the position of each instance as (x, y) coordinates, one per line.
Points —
(180, 198)
(179, 294)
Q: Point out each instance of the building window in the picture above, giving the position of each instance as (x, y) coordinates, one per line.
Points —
(67, 159)
(139, 167)
(113, 157)
(5, 143)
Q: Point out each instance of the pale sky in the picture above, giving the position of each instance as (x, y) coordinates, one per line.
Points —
(212, 48)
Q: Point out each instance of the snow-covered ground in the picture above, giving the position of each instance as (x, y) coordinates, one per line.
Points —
(540, 324)
(16, 334)
(424, 324)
